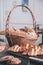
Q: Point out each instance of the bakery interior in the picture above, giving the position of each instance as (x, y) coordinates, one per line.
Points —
(21, 32)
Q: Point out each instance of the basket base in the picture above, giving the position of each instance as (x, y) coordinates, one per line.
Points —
(13, 40)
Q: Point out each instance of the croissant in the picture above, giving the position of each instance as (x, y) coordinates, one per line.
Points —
(3, 48)
(27, 49)
(40, 50)
(15, 48)
(10, 59)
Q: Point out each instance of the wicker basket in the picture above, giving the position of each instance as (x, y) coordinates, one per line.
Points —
(14, 37)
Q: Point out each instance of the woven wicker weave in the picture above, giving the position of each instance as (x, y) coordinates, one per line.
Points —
(18, 38)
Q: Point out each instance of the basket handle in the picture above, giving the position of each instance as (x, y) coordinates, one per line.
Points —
(8, 18)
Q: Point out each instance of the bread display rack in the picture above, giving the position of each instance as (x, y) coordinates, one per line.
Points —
(17, 36)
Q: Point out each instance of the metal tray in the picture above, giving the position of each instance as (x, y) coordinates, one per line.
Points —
(33, 59)
(26, 60)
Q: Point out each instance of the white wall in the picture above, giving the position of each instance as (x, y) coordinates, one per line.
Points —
(35, 5)
(20, 17)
